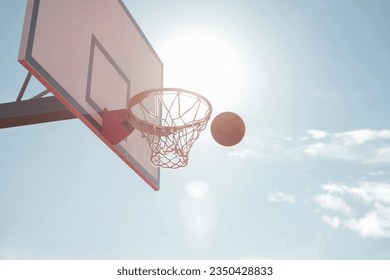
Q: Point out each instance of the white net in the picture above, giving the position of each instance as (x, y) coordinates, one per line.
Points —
(171, 120)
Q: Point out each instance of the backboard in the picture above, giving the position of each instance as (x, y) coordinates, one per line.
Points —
(92, 56)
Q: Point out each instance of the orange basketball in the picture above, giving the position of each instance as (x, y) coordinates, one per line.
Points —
(228, 129)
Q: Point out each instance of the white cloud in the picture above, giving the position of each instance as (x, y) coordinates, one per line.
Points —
(330, 150)
(374, 224)
(315, 149)
(264, 147)
(245, 153)
(318, 134)
(382, 155)
(366, 191)
(365, 145)
(250, 148)
(280, 197)
(333, 222)
(377, 173)
(334, 203)
(374, 192)
(362, 136)
(334, 188)
(371, 197)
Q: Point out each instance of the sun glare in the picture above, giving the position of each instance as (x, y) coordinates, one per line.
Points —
(204, 61)
(198, 210)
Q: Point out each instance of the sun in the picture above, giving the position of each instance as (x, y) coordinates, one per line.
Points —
(205, 61)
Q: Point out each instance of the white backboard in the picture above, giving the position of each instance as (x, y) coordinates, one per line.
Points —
(92, 55)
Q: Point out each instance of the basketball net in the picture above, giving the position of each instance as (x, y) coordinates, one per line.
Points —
(171, 120)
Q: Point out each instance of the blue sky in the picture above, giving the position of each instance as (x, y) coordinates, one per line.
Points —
(311, 179)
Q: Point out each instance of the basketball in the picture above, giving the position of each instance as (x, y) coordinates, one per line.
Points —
(228, 129)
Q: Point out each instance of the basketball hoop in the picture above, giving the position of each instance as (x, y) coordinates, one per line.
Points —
(171, 120)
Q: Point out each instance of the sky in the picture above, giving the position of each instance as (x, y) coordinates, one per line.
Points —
(310, 180)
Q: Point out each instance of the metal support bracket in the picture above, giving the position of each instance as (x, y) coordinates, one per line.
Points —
(115, 125)
(24, 86)
(33, 111)
(38, 109)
